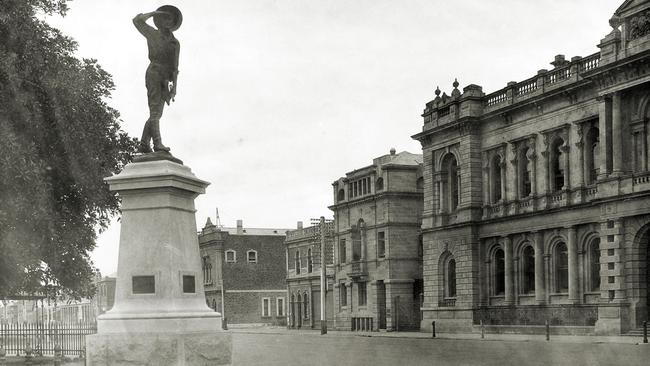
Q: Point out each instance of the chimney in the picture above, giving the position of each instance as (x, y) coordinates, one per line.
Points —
(240, 227)
(299, 225)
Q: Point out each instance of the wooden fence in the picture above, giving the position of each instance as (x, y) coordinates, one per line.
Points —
(43, 337)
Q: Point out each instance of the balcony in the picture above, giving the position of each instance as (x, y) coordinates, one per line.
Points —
(357, 269)
(447, 303)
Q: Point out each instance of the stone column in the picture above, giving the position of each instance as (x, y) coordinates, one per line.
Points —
(509, 285)
(487, 197)
(604, 107)
(515, 177)
(533, 167)
(617, 135)
(540, 288)
(574, 294)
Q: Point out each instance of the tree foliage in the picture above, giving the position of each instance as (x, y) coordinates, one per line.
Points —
(59, 139)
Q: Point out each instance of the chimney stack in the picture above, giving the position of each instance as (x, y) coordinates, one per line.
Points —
(299, 225)
(240, 227)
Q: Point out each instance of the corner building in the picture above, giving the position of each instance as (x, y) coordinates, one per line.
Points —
(244, 273)
(378, 262)
(303, 247)
(537, 196)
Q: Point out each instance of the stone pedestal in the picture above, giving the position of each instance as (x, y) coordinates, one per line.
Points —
(160, 316)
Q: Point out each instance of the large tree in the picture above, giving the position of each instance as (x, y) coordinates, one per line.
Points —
(58, 140)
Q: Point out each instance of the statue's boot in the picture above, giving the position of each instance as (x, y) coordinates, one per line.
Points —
(146, 137)
(155, 134)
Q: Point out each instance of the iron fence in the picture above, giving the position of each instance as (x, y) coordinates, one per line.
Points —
(42, 338)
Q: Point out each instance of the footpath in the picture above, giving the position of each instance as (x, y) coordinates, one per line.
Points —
(443, 336)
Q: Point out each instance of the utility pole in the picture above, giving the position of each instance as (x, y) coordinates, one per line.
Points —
(323, 277)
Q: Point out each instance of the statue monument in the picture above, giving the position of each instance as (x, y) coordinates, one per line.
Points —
(162, 74)
(160, 316)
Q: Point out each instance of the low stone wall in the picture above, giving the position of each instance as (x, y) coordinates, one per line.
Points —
(556, 315)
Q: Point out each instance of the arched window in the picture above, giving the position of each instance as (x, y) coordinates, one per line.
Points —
(593, 267)
(340, 195)
(450, 183)
(309, 261)
(528, 270)
(356, 241)
(561, 266)
(496, 178)
(592, 161)
(450, 278)
(297, 261)
(525, 172)
(379, 184)
(419, 184)
(342, 251)
(231, 256)
(557, 165)
(499, 272)
(252, 256)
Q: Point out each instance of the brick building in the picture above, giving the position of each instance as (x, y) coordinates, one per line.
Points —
(378, 262)
(250, 265)
(537, 196)
(304, 277)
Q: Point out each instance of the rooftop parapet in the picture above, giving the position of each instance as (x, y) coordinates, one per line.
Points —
(473, 102)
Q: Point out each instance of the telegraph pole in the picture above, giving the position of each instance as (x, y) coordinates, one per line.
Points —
(323, 277)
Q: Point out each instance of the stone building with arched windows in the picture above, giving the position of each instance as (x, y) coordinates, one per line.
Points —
(537, 196)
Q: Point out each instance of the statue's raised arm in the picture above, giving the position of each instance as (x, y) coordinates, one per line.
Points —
(162, 73)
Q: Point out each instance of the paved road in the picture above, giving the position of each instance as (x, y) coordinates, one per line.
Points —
(300, 349)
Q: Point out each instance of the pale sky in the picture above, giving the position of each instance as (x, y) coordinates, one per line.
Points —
(277, 99)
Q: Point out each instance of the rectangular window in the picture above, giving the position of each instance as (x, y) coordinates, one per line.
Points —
(343, 295)
(363, 294)
(280, 306)
(342, 251)
(230, 256)
(381, 244)
(266, 307)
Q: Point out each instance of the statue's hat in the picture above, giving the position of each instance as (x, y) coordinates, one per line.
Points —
(174, 12)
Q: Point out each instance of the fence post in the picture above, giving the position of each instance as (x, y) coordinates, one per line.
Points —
(548, 331)
(224, 323)
(3, 354)
(57, 354)
(645, 331)
(396, 313)
(28, 352)
(482, 330)
(433, 329)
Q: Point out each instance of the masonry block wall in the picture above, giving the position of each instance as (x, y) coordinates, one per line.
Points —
(536, 195)
(377, 250)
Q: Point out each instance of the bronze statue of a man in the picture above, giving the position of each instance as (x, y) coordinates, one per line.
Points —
(162, 72)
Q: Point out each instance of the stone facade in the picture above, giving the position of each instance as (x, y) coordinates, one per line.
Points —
(304, 277)
(378, 266)
(250, 265)
(537, 196)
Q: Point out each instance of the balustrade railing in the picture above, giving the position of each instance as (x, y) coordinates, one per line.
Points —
(552, 77)
(446, 303)
(526, 87)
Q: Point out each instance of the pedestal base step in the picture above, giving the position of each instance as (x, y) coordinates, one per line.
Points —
(160, 349)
